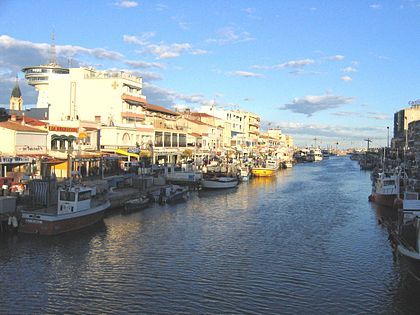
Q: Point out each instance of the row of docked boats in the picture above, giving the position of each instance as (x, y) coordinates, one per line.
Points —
(79, 205)
(394, 189)
(311, 155)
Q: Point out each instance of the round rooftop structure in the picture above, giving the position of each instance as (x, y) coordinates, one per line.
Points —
(40, 74)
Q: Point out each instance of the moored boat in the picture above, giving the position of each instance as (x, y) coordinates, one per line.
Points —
(263, 171)
(244, 174)
(173, 194)
(137, 204)
(219, 182)
(386, 188)
(77, 208)
(409, 229)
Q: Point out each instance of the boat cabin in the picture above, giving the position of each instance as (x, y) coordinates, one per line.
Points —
(74, 199)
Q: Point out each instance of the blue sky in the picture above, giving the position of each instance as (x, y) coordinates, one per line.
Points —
(332, 70)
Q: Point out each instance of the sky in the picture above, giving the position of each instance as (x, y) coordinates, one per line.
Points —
(325, 72)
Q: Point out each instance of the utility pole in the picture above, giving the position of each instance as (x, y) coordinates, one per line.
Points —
(368, 141)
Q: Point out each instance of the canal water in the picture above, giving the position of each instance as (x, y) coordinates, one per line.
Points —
(306, 241)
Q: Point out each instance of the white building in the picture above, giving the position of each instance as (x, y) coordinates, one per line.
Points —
(87, 94)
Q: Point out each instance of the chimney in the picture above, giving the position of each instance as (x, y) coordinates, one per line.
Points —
(13, 117)
(23, 118)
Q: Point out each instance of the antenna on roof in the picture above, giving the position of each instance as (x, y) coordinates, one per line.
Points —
(53, 55)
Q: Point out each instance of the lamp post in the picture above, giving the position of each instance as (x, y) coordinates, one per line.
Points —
(387, 139)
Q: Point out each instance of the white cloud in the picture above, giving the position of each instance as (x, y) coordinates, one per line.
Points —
(375, 6)
(336, 58)
(378, 116)
(246, 74)
(161, 50)
(289, 64)
(314, 103)
(304, 133)
(346, 114)
(230, 35)
(346, 78)
(349, 69)
(167, 97)
(249, 10)
(161, 7)
(143, 39)
(126, 4)
(148, 76)
(143, 64)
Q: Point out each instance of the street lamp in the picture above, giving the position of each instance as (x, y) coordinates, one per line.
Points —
(387, 139)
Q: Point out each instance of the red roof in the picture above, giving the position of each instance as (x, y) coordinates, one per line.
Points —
(30, 121)
(134, 99)
(19, 127)
(132, 115)
(142, 102)
(156, 108)
(201, 115)
(198, 122)
(194, 134)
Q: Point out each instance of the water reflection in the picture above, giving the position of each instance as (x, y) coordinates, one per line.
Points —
(307, 239)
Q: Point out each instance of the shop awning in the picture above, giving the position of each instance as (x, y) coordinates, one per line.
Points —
(126, 153)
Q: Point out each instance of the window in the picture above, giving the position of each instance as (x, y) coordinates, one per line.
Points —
(174, 139)
(167, 139)
(54, 145)
(158, 139)
(67, 196)
(84, 195)
(182, 140)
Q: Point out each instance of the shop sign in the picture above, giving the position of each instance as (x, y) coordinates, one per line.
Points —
(14, 160)
(63, 129)
(133, 150)
(31, 149)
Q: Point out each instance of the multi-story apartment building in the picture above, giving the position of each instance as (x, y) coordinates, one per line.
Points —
(401, 120)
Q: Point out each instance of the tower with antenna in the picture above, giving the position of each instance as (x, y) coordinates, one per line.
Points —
(53, 53)
(39, 76)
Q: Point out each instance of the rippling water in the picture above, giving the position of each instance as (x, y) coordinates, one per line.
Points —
(306, 241)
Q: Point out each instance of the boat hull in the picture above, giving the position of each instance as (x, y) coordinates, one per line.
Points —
(384, 200)
(263, 172)
(32, 223)
(214, 184)
(135, 205)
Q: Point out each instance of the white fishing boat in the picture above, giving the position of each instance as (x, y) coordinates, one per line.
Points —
(386, 188)
(219, 182)
(183, 175)
(272, 163)
(409, 228)
(77, 208)
(314, 155)
(244, 174)
(288, 164)
(173, 194)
